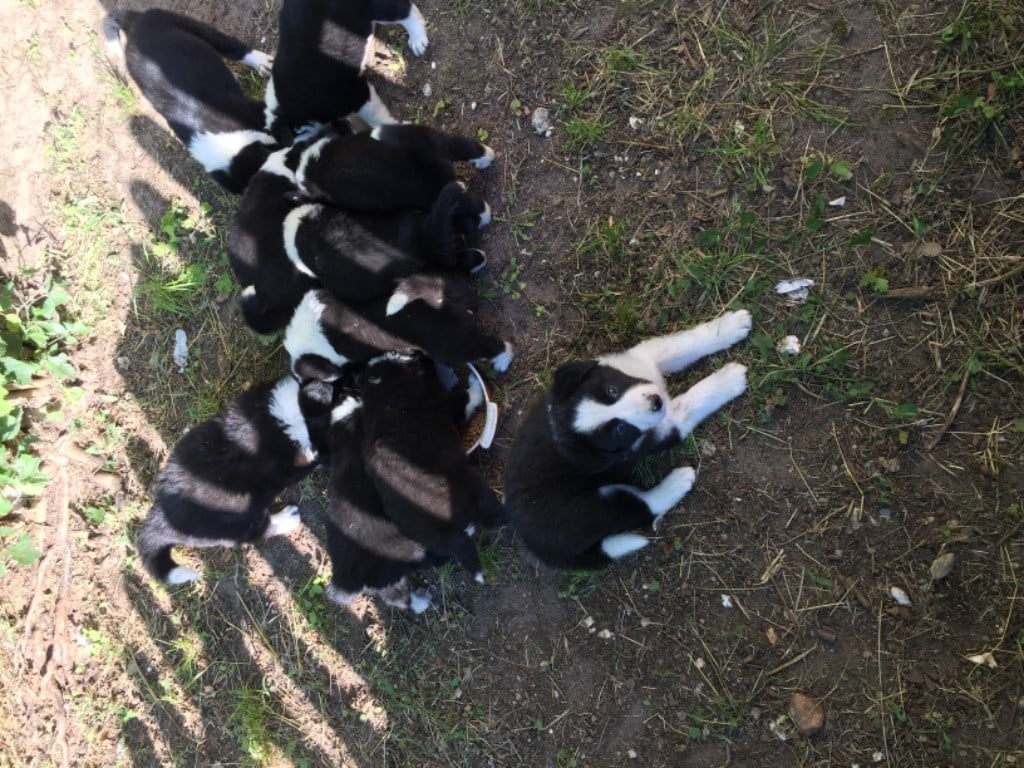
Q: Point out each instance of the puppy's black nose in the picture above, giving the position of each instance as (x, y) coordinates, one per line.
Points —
(655, 402)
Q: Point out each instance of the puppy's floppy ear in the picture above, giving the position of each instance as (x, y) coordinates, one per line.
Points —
(569, 377)
(319, 392)
(316, 367)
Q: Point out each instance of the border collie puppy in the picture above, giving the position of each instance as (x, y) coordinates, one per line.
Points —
(223, 474)
(178, 64)
(369, 553)
(392, 167)
(416, 459)
(359, 256)
(567, 488)
(434, 312)
(321, 54)
(271, 284)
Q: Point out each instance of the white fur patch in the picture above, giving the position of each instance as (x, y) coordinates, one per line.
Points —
(476, 399)
(275, 164)
(310, 154)
(396, 303)
(182, 575)
(305, 334)
(416, 26)
(375, 112)
(623, 544)
(348, 406)
(633, 407)
(284, 406)
(501, 362)
(215, 151)
(340, 596)
(260, 61)
(290, 229)
(485, 217)
(271, 104)
(283, 523)
(478, 577)
(484, 160)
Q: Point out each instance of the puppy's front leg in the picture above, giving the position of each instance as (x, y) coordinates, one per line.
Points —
(708, 395)
(681, 350)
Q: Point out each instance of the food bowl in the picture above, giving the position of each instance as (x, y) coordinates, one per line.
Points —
(479, 431)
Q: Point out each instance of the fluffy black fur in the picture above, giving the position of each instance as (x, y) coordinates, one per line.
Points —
(392, 167)
(438, 317)
(368, 552)
(223, 474)
(317, 74)
(416, 460)
(178, 64)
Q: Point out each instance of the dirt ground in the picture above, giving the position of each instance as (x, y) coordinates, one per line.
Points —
(679, 180)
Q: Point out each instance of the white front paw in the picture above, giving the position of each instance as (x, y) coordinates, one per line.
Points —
(484, 160)
(418, 43)
(260, 61)
(735, 326)
(501, 362)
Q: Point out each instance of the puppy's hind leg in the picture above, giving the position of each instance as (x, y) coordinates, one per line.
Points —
(662, 497)
(678, 351)
(375, 112)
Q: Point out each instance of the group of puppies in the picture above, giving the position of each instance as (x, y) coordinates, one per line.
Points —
(355, 237)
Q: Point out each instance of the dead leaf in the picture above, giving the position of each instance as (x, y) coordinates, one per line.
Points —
(942, 565)
(807, 713)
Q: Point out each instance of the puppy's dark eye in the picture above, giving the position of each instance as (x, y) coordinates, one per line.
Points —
(620, 428)
(611, 390)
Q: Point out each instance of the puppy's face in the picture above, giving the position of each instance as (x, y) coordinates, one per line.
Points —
(610, 408)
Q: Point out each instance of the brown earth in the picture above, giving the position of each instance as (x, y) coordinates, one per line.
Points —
(774, 576)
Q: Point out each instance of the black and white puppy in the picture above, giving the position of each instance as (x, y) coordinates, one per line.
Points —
(321, 54)
(360, 256)
(432, 311)
(221, 477)
(178, 64)
(392, 167)
(415, 457)
(369, 553)
(567, 489)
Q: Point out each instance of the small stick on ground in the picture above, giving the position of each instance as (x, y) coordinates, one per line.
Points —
(952, 412)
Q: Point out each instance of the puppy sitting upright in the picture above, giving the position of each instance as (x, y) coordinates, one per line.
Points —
(321, 54)
(224, 473)
(566, 481)
(415, 457)
(178, 64)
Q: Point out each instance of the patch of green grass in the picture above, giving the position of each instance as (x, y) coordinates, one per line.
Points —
(585, 132)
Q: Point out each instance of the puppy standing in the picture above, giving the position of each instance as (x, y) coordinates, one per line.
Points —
(224, 473)
(178, 64)
(368, 552)
(435, 312)
(415, 457)
(566, 480)
(321, 54)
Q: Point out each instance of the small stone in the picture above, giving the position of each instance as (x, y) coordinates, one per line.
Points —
(541, 121)
(807, 714)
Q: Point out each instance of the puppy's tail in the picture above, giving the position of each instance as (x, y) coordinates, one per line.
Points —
(154, 544)
(113, 27)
